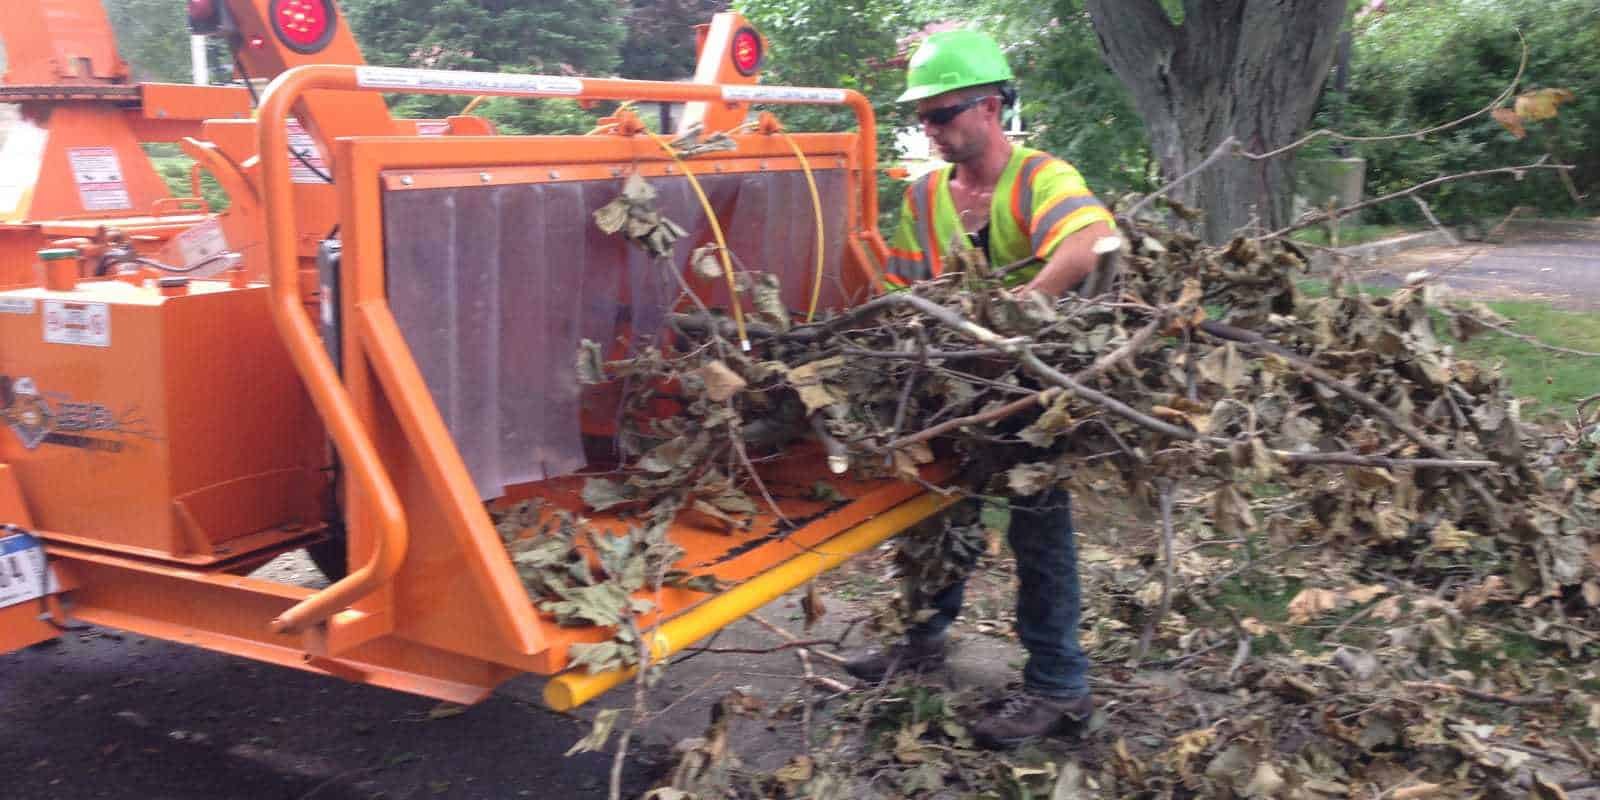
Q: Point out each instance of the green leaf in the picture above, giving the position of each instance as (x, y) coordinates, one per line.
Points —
(603, 493)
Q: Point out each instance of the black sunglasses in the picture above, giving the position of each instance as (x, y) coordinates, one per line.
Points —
(943, 115)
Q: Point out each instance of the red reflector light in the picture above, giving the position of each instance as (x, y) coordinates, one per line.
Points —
(202, 9)
(305, 26)
(746, 51)
(205, 16)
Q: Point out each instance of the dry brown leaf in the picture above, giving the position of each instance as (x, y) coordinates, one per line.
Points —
(1363, 594)
(1511, 121)
(813, 607)
(721, 381)
(1388, 610)
(1312, 603)
(1541, 104)
(1447, 538)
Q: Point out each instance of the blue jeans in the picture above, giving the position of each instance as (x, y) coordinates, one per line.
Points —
(1048, 596)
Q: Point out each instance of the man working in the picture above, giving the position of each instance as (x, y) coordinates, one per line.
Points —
(1015, 204)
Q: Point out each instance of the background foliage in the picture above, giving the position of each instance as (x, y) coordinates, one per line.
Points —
(1431, 61)
(1421, 63)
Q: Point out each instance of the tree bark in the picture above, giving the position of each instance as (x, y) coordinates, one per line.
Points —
(1251, 69)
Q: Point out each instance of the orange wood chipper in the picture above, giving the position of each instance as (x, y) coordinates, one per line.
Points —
(391, 352)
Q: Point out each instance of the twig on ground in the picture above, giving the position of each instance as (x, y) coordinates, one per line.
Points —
(1354, 618)
(1524, 701)
(1427, 212)
(1536, 751)
(787, 636)
(1522, 337)
(762, 651)
(335, 779)
(1166, 573)
(1176, 660)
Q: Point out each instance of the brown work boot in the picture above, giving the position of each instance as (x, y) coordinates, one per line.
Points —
(912, 655)
(1026, 715)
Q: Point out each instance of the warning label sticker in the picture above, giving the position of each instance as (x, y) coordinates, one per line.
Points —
(305, 168)
(77, 323)
(17, 305)
(98, 174)
(781, 94)
(197, 244)
(466, 82)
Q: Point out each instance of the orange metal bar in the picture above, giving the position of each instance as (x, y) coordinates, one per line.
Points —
(397, 372)
(290, 85)
(369, 479)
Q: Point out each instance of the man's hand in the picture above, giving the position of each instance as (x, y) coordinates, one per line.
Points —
(1071, 262)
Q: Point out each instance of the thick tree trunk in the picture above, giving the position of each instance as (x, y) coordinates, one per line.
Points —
(1251, 69)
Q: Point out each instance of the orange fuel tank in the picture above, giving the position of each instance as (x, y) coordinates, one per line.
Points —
(163, 422)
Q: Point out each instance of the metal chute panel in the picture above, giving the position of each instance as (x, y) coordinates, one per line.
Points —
(494, 288)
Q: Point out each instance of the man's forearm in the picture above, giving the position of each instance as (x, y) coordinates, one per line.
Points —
(1071, 262)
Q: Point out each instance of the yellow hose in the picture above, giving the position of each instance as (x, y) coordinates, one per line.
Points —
(716, 230)
(816, 213)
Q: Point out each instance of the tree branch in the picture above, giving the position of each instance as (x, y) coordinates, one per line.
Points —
(1313, 219)
(1257, 342)
(1228, 147)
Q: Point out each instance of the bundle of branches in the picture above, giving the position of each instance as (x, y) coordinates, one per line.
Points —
(1341, 428)
(1206, 368)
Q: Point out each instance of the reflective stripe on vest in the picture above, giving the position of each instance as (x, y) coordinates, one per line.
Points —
(1059, 213)
(1021, 223)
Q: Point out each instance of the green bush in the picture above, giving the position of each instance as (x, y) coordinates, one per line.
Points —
(1428, 62)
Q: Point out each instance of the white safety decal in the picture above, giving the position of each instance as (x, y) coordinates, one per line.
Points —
(17, 305)
(466, 82)
(67, 322)
(24, 573)
(99, 177)
(782, 94)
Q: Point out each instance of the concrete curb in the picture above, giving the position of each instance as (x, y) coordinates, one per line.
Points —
(1383, 248)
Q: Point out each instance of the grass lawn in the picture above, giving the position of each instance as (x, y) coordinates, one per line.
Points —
(1553, 381)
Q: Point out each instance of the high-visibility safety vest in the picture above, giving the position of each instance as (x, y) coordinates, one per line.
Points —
(1039, 201)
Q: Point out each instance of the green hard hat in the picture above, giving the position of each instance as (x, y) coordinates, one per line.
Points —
(950, 60)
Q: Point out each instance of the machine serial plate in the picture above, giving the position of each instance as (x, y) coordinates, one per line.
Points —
(24, 575)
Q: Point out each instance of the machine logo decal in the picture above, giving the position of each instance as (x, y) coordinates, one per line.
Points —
(54, 418)
(782, 94)
(463, 81)
(77, 323)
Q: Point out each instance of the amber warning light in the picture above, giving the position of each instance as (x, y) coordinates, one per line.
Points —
(305, 26)
(746, 51)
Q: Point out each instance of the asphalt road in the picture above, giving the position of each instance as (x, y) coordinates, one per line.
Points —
(1556, 261)
(102, 715)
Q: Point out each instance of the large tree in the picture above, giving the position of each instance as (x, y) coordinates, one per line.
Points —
(1250, 69)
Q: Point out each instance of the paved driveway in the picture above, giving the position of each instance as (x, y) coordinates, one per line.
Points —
(1556, 261)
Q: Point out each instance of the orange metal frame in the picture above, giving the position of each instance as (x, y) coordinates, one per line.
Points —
(433, 604)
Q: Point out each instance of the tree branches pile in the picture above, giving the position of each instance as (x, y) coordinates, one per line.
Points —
(1339, 426)
(1207, 367)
